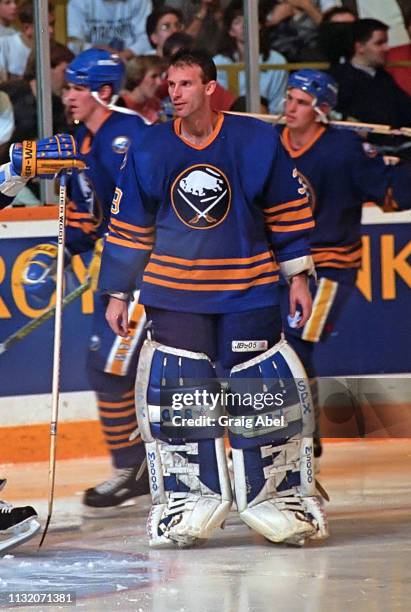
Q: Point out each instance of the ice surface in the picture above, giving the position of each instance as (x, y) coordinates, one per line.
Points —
(364, 566)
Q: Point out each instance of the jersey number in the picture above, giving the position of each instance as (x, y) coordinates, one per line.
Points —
(115, 205)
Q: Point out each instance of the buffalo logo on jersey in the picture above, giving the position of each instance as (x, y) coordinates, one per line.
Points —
(306, 187)
(201, 196)
(120, 144)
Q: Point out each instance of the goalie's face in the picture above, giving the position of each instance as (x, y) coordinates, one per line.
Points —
(187, 91)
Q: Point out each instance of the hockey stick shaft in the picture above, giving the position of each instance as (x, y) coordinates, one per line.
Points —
(55, 393)
(29, 327)
(357, 126)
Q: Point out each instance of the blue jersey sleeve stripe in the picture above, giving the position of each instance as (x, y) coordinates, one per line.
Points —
(339, 249)
(286, 205)
(280, 227)
(133, 237)
(128, 244)
(294, 215)
(129, 226)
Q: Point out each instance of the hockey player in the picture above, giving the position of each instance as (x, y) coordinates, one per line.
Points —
(199, 206)
(46, 158)
(94, 79)
(340, 176)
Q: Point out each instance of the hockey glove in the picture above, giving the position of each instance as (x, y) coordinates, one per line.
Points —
(45, 158)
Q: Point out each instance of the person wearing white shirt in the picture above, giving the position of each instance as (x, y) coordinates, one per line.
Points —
(119, 24)
(8, 14)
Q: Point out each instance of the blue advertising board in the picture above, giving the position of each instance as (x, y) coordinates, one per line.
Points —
(371, 337)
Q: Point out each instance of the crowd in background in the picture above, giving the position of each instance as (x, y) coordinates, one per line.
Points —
(356, 37)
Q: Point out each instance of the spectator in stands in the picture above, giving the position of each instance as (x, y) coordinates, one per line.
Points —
(272, 82)
(8, 14)
(366, 91)
(402, 75)
(335, 34)
(203, 20)
(177, 41)
(22, 93)
(6, 122)
(15, 49)
(143, 78)
(118, 24)
(162, 23)
(339, 14)
(293, 26)
(391, 12)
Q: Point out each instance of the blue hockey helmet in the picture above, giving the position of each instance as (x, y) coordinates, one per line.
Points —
(318, 84)
(96, 67)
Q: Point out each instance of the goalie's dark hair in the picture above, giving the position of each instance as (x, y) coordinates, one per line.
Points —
(196, 57)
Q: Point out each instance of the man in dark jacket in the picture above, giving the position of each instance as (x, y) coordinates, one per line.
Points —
(366, 91)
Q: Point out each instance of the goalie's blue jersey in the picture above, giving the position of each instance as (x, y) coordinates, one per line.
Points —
(91, 190)
(199, 224)
(340, 177)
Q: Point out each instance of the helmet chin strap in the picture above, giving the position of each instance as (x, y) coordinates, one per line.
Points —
(119, 109)
(321, 115)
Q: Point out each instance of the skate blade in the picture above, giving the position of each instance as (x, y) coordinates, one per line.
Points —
(22, 533)
(128, 507)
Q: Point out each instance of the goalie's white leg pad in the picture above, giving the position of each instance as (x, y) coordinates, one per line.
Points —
(279, 518)
(313, 503)
(273, 467)
(188, 516)
(187, 466)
